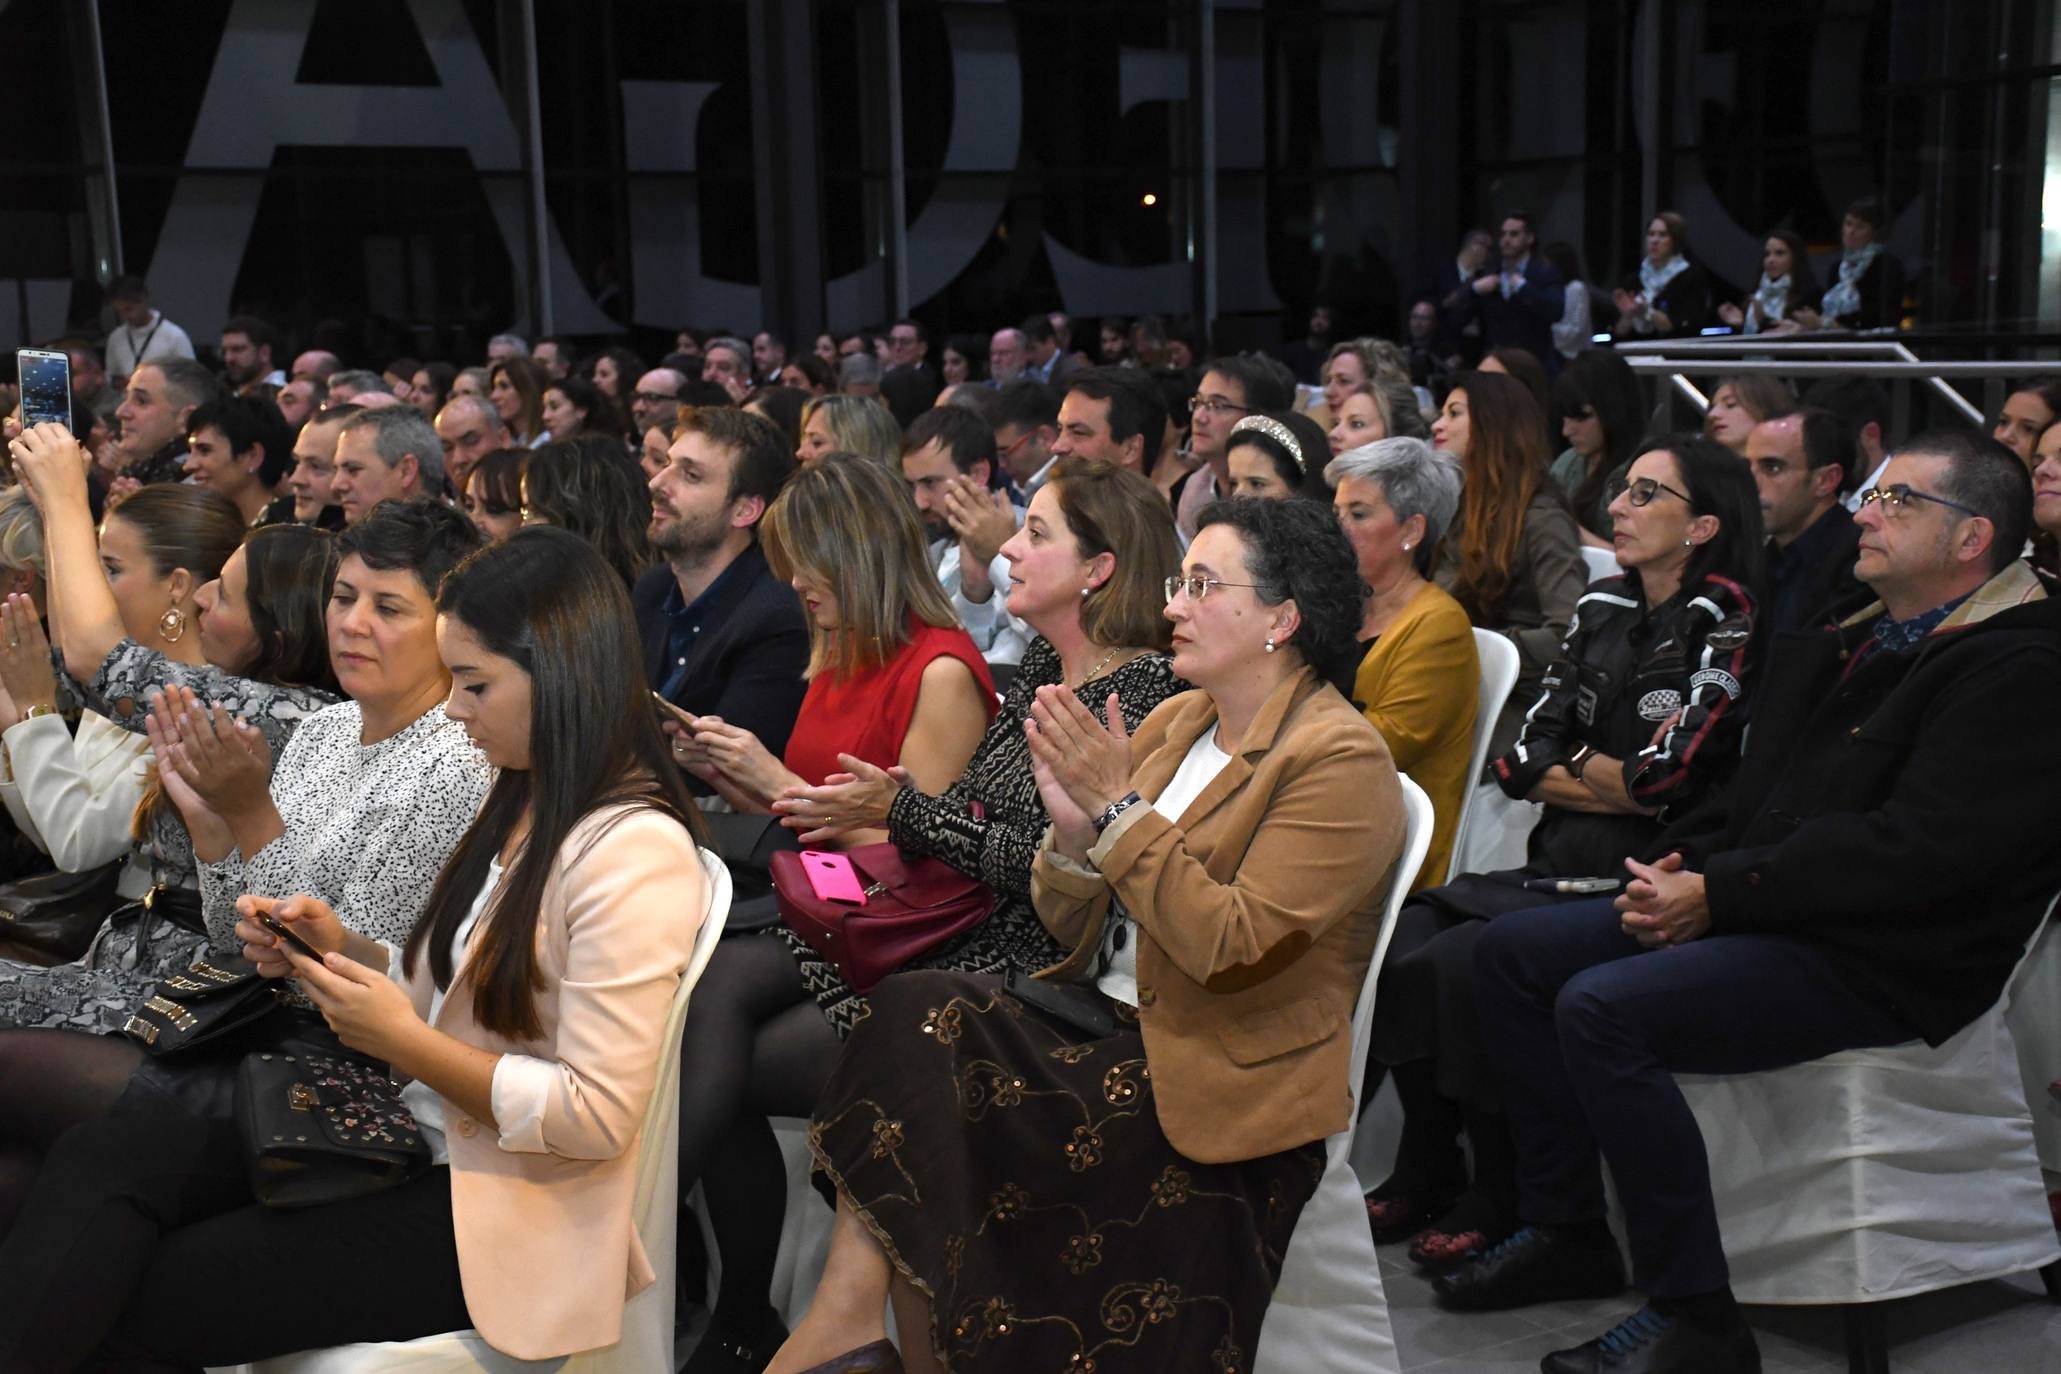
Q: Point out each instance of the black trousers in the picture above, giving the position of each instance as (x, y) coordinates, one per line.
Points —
(1588, 1028)
(140, 1249)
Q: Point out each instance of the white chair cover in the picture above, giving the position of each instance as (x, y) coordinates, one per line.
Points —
(647, 1340)
(1877, 1173)
(1602, 562)
(2035, 1021)
(1330, 1312)
(1498, 828)
(1499, 665)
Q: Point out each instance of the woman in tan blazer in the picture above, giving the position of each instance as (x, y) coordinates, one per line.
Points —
(527, 1013)
(1101, 1167)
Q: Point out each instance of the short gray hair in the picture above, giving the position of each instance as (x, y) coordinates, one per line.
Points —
(357, 379)
(1415, 479)
(520, 344)
(480, 405)
(858, 369)
(398, 431)
(734, 344)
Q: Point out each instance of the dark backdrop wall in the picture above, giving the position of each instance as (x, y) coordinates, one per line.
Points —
(430, 171)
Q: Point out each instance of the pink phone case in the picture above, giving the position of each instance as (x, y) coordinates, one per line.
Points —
(833, 877)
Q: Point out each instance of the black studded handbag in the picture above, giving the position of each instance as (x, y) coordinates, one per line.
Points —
(324, 1128)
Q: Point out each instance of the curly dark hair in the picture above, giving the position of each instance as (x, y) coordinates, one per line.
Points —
(1297, 549)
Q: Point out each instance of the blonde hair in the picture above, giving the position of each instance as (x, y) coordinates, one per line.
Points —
(21, 532)
(862, 425)
(850, 523)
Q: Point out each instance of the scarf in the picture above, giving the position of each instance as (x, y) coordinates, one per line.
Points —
(1773, 299)
(1653, 280)
(1845, 298)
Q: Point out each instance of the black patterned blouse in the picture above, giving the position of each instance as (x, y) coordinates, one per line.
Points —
(998, 846)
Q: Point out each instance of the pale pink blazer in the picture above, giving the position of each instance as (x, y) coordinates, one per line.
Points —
(546, 1245)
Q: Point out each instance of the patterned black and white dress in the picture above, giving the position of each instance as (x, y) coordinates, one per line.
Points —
(136, 951)
(998, 846)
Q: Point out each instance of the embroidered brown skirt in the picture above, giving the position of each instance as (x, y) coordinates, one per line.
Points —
(1015, 1172)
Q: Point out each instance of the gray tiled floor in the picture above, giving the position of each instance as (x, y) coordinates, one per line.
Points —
(2004, 1327)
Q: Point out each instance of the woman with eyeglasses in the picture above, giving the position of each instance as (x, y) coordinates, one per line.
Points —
(1513, 556)
(1602, 418)
(1104, 1165)
(1637, 721)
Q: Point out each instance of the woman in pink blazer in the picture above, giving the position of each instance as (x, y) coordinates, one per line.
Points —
(525, 1014)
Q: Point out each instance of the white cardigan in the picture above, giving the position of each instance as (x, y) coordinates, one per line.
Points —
(75, 795)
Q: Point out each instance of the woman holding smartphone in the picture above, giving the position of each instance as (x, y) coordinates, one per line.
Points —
(527, 1009)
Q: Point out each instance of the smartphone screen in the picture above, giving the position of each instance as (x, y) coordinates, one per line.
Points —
(46, 387)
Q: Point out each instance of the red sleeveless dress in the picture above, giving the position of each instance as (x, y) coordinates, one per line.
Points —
(867, 714)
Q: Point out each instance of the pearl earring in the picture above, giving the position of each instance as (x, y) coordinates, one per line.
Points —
(1085, 591)
(1270, 644)
(1406, 546)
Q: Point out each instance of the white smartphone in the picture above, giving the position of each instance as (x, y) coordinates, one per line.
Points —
(46, 386)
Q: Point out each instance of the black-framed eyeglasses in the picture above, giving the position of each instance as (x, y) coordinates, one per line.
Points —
(1198, 586)
(1642, 491)
(1899, 496)
(1216, 405)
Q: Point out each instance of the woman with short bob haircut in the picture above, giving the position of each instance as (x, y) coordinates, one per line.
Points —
(850, 424)
(1418, 677)
(1011, 1155)
(569, 908)
(1602, 417)
(893, 679)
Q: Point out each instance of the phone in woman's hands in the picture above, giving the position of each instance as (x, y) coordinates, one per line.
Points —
(288, 934)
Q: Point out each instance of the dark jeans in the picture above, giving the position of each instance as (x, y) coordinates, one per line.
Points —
(140, 1249)
(1588, 1028)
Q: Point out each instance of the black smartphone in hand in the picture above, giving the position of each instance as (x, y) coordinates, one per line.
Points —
(279, 928)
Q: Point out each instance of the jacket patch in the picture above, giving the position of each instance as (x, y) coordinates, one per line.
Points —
(1660, 704)
(1722, 678)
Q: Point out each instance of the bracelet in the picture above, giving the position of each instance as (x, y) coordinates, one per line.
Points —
(1580, 760)
(1115, 809)
(38, 710)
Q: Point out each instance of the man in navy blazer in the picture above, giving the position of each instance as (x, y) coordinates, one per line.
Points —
(722, 635)
(1520, 302)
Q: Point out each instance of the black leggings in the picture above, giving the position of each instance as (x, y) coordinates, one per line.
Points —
(51, 1081)
(756, 1046)
(142, 1250)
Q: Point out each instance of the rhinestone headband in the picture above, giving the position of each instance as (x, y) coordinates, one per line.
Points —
(1279, 433)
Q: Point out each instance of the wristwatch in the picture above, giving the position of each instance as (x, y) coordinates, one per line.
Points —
(38, 710)
(1115, 809)
(1580, 760)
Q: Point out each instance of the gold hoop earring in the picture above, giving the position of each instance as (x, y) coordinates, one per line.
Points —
(171, 626)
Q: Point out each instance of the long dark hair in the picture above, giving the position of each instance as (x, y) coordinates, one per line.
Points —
(543, 599)
(288, 570)
(1721, 486)
(1504, 465)
(1603, 381)
(591, 486)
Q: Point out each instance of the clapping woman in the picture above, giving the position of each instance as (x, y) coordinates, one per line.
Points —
(526, 1007)
(1103, 1166)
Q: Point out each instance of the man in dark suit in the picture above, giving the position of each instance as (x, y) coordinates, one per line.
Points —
(722, 635)
(1801, 462)
(1523, 298)
(1872, 877)
(1457, 340)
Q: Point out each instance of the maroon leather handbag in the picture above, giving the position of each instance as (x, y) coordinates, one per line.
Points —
(912, 907)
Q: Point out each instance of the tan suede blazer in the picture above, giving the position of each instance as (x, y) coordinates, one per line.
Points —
(546, 1245)
(1256, 916)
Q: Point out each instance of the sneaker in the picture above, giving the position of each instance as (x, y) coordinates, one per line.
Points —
(1654, 1342)
(1534, 1265)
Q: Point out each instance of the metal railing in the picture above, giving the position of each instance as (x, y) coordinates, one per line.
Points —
(1675, 361)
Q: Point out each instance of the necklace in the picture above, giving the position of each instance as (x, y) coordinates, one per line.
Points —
(1089, 676)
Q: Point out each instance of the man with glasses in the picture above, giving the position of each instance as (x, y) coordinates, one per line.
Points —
(1870, 878)
(1800, 463)
(1232, 388)
(1025, 416)
(910, 385)
(657, 398)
